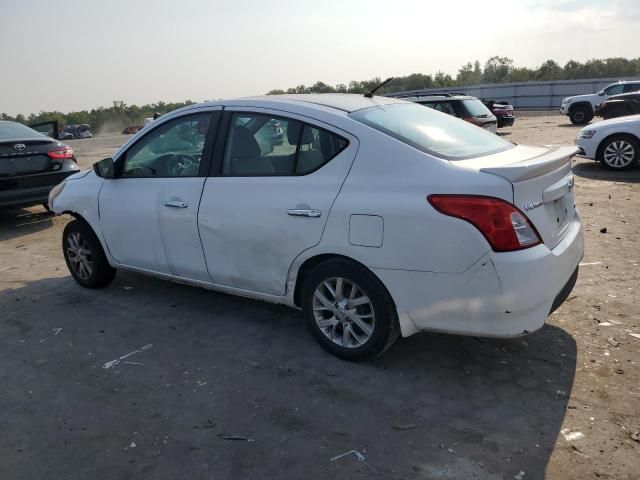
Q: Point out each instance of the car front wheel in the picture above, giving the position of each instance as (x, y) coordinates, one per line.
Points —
(619, 152)
(348, 310)
(85, 257)
(580, 115)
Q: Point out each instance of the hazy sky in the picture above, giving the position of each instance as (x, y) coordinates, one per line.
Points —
(71, 55)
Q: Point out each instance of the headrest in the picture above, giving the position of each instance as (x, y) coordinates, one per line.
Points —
(293, 133)
(243, 144)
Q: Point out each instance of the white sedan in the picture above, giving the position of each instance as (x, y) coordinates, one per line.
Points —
(375, 216)
(615, 143)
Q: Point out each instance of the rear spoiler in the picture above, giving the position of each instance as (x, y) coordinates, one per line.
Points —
(549, 161)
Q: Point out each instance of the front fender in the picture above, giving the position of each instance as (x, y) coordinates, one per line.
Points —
(79, 198)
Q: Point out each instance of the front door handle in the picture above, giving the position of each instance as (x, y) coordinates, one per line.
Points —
(304, 212)
(176, 204)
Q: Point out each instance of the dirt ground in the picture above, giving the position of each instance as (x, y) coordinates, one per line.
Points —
(562, 403)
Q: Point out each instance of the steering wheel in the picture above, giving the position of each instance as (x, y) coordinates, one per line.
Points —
(175, 163)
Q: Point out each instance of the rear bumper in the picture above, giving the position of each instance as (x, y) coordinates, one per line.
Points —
(501, 295)
(30, 189)
(505, 121)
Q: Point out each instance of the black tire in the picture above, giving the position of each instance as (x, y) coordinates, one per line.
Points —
(628, 146)
(385, 327)
(95, 271)
(580, 115)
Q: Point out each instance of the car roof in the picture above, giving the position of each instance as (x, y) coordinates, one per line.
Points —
(622, 82)
(452, 97)
(346, 102)
(625, 96)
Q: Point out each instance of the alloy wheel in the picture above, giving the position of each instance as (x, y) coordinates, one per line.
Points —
(619, 154)
(579, 117)
(343, 312)
(79, 255)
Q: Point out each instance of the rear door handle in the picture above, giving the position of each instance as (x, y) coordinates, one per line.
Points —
(176, 204)
(304, 212)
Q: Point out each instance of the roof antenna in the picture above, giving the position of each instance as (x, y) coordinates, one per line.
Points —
(374, 90)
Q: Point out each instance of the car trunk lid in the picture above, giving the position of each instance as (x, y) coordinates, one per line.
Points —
(20, 157)
(542, 184)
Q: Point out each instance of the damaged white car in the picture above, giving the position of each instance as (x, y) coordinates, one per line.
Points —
(377, 217)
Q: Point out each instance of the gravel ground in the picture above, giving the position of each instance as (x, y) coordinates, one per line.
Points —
(226, 388)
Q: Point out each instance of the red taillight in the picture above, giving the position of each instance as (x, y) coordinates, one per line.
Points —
(504, 226)
(61, 153)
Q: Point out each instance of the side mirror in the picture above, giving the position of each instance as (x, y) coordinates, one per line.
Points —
(601, 93)
(105, 168)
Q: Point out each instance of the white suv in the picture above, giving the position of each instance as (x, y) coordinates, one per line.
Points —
(580, 108)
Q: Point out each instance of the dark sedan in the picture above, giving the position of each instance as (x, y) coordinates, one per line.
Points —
(619, 106)
(502, 111)
(31, 164)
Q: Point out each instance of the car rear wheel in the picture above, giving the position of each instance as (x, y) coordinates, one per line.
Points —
(85, 257)
(348, 310)
(580, 115)
(619, 152)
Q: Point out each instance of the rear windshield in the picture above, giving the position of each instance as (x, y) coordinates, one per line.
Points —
(17, 131)
(476, 108)
(432, 132)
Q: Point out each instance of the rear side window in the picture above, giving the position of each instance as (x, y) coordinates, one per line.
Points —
(432, 132)
(317, 147)
(476, 108)
(17, 131)
(261, 144)
(631, 87)
(444, 107)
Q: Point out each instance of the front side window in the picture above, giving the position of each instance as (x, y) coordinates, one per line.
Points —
(260, 144)
(614, 89)
(432, 132)
(174, 149)
(444, 107)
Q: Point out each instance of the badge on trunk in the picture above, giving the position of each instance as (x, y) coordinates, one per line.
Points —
(533, 205)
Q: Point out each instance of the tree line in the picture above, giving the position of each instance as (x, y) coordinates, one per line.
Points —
(107, 119)
(495, 70)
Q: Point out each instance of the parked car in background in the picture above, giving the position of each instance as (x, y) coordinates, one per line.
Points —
(503, 112)
(31, 164)
(131, 129)
(619, 106)
(615, 143)
(462, 106)
(376, 217)
(581, 108)
(70, 132)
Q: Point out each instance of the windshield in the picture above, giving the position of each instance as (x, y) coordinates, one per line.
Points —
(476, 108)
(432, 132)
(17, 131)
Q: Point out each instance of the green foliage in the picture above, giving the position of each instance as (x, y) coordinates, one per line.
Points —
(112, 119)
(496, 70)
